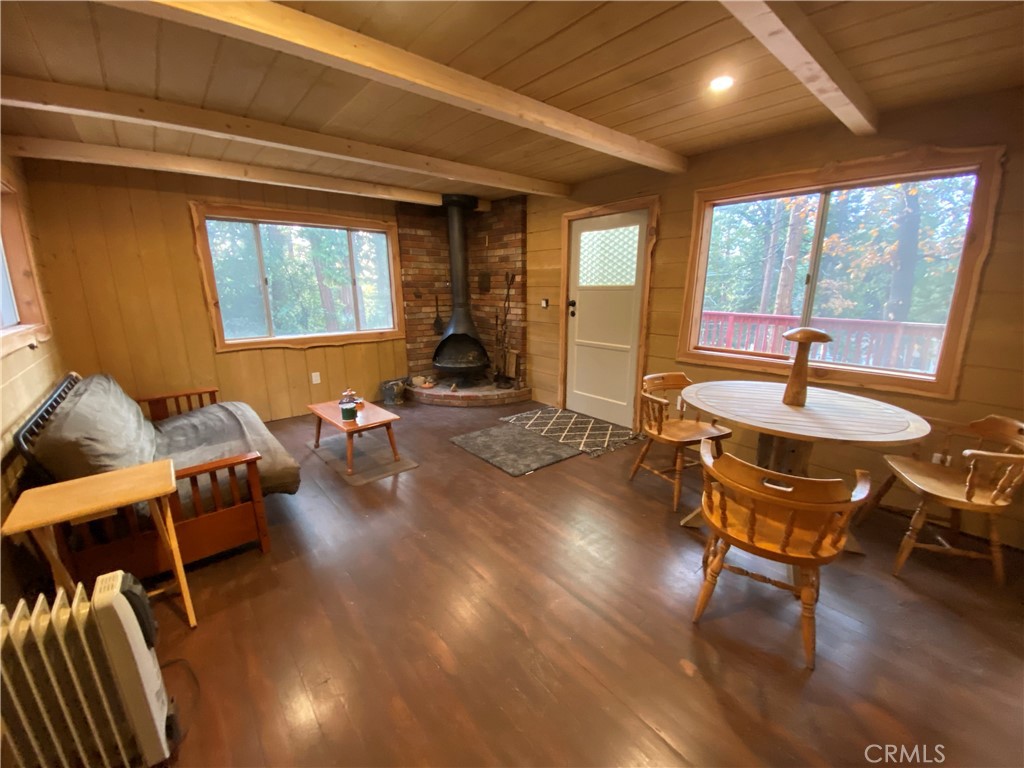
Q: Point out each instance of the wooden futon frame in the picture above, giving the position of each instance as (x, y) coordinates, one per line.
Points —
(128, 540)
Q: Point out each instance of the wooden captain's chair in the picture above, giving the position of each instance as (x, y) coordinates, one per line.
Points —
(794, 520)
(664, 419)
(979, 481)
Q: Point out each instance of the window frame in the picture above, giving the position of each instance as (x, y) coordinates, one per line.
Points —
(33, 325)
(912, 165)
(201, 211)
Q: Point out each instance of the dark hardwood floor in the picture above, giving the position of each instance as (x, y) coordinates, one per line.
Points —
(454, 615)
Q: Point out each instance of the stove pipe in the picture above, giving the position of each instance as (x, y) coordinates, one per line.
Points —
(461, 321)
(460, 350)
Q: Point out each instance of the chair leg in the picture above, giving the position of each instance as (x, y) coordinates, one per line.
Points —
(808, 600)
(677, 486)
(640, 459)
(910, 538)
(997, 551)
(709, 551)
(711, 579)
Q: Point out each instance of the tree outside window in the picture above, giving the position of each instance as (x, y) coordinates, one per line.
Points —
(8, 306)
(888, 268)
(276, 280)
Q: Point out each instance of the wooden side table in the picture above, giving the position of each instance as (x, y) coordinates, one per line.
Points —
(38, 510)
(368, 417)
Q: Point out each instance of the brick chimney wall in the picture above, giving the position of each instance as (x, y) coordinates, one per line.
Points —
(423, 251)
(496, 243)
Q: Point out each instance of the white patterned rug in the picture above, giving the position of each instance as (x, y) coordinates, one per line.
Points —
(584, 433)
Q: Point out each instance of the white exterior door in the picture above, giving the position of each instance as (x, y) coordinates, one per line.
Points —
(605, 282)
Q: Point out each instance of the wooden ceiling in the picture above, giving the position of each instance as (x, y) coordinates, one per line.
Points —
(641, 68)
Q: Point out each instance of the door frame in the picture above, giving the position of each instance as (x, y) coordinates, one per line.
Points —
(652, 203)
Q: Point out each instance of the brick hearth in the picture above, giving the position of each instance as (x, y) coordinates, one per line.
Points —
(469, 397)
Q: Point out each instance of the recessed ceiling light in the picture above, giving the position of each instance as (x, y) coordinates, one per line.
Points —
(722, 83)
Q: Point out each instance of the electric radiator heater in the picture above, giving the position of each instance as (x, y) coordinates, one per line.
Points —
(81, 684)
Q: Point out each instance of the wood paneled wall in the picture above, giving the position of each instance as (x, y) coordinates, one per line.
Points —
(993, 377)
(26, 376)
(122, 282)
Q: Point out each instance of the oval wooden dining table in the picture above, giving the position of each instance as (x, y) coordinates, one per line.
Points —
(787, 433)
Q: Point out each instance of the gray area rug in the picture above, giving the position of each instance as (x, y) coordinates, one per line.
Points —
(371, 458)
(513, 449)
(585, 433)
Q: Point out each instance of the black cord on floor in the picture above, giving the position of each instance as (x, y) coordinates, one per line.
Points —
(185, 722)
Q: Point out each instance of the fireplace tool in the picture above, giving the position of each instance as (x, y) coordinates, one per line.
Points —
(438, 322)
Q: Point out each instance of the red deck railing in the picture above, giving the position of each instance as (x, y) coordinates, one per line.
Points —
(868, 343)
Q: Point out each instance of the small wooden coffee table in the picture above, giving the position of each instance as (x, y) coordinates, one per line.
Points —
(368, 417)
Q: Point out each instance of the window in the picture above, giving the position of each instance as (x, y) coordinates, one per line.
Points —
(285, 279)
(24, 321)
(884, 255)
(8, 307)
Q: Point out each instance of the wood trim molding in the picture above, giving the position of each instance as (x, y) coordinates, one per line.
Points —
(35, 325)
(200, 211)
(789, 36)
(77, 152)
(25, 93)
(918, 163)
(23, 335)
(652, 204)
(291, 216)
(287, 30)
(311, 342)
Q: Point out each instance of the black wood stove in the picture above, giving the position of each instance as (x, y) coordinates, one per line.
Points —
(460, 352)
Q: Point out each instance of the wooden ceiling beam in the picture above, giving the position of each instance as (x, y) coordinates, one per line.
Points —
(289, 31)
(789, 36)
(25, 93)
(76, 152)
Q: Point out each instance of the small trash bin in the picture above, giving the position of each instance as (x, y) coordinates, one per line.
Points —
(394, 391)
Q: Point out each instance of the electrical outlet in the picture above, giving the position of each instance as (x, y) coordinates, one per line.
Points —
(544, 303)
(938, 458)
(316, 377)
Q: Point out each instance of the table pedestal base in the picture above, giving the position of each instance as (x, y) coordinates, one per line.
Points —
(784, 454)
(693, 520)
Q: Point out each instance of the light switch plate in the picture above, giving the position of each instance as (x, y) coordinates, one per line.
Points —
(316, 377)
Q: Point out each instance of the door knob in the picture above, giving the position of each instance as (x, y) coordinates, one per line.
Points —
(572, 302)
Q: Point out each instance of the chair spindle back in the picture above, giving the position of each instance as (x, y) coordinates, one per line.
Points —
(658, 393)
(798, 515)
